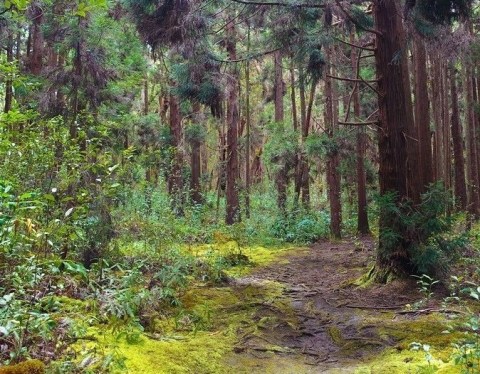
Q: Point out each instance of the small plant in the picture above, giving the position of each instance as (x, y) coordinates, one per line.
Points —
(430, 367)
(425, 284)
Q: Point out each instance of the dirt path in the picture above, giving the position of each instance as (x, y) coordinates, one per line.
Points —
(320, 322)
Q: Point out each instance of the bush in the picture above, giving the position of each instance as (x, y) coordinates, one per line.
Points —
(420, 236)
(300, 228)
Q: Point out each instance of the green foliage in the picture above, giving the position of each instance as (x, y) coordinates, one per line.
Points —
(425, 284)
(361, 17)
(443, 11)
(281, 149)
(300, 227)
(429, 247)
(195, 132)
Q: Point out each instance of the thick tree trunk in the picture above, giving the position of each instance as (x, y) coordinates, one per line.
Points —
(281, 174)
(457, 138)
(363, 226)
(396, 119)
(303, 118)
(233, 207)
(439, 156)
(36, 56)
(472, 177)
(247, 138)
(447, 138)
(305, 168)
(333, 176)
(422, 113)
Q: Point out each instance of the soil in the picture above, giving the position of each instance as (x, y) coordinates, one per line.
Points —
(322, 322)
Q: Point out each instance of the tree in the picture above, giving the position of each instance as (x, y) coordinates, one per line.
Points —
(233, 207)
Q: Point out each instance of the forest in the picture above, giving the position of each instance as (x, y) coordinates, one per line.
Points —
(239, 186)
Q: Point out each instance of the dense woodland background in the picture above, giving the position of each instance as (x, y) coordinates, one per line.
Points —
(130, 128)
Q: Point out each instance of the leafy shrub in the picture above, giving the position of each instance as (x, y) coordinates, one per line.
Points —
(427, 242)
(301, 228)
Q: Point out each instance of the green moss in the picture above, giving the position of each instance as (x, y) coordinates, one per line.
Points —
(396, 361)
(200, 337)
(257, 255)
(336, 335)
(199, 353)
(26, 367)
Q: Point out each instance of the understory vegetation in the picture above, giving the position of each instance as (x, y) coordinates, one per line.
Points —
(193, 186)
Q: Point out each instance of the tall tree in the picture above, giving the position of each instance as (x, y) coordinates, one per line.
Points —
(281, 173)
(396, 122)
(457, 139)
(233, 206)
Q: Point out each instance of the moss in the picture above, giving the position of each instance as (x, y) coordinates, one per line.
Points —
(181, 344)
(256, 255)
(396, 361)
(26, 367)
(336, 335)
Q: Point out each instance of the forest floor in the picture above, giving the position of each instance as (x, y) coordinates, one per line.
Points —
(333, 325)
(307, 312)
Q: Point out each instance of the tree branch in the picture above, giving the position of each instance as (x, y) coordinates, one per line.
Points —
(366, 123)
(352, 19)
(364, 47)
(360, 79)
(251, 57)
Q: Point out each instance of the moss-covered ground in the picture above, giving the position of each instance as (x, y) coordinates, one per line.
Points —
(288, 311)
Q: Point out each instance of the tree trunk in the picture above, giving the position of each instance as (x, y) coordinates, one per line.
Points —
(333, 176)
(457, 137)
(363, 226)
(175, 177)
(396, 119)
(438, 164)
(36, 56)
(281, 174)
(9, 82)
(248, 125)
(233, 207)
(305, 169)
(422, 113)
(195, 161)
(473, 198)
(145, 95)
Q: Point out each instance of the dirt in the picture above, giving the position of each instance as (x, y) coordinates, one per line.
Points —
(322, 322)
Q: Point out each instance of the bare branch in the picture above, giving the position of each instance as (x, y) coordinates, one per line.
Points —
(253, 57)
(366, 123)
(360, 79)
(364, 47)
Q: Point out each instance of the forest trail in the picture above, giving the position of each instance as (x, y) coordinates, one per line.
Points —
(322, 323)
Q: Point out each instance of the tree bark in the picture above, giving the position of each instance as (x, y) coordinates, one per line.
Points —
(472, 177)
(422, 113)
(233, 207)
(195, 161)
(333, 176)
(396, 119)
(457, 138)
(281, 174)
(363, 226)
(9, 82)
(175, 177)
(36, 57)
